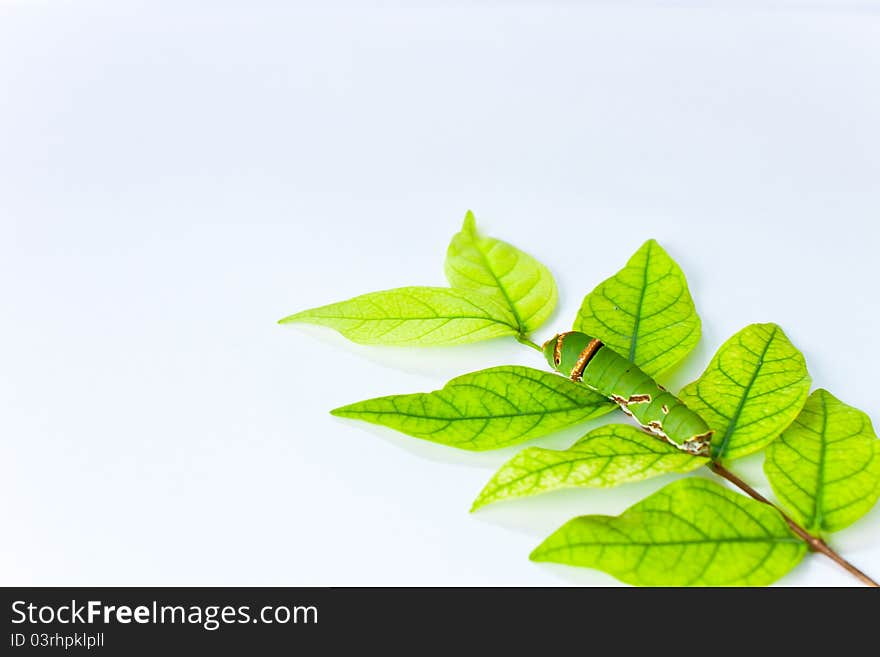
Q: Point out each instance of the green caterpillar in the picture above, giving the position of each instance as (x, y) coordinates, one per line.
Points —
(586, 360)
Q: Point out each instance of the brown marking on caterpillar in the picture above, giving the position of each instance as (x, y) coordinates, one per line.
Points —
(657, 427)
(695, 449)
(620, 401)
(662, 389)
(665, 409)
(699, 445)
(557, 349)
(639, 399)
(577, 372)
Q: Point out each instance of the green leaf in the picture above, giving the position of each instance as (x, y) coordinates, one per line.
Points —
(485, 410)
(692, 532)
(608, 456)
(825, 468)
(513, 278)
(414, 316)
(644, 312)
(754, 387)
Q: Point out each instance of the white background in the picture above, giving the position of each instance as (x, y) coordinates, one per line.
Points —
(176, 177)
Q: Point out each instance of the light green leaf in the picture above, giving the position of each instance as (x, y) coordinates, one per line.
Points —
(825, 468)
(608, 456)
(692, 532)
(485, 410)
(513, 278)
(644, 312)
(754, 387)
(414, 316)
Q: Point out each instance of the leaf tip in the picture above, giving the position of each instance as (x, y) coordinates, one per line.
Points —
(470, 223)
(290, 319)
(342, 411)
(478, 503)
(538, 554)
(772, 329)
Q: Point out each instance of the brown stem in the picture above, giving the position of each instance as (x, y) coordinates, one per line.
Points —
(815, 543)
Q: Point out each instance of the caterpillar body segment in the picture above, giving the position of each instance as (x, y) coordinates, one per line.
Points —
(586, 360)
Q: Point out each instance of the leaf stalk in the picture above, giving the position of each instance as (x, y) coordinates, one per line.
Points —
(524, 339)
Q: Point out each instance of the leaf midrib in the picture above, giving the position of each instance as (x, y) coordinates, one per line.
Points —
(574, 461)
(703, 541)
(392, 318)
(462, 418)
(519, 322)
(742, 402)
(637, 320)
(818, 511)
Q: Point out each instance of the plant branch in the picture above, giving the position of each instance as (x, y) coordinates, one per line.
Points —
(815, 543)
(525, 340)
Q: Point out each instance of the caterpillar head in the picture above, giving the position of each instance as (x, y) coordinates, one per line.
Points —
(563, 349)
(550, 353)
